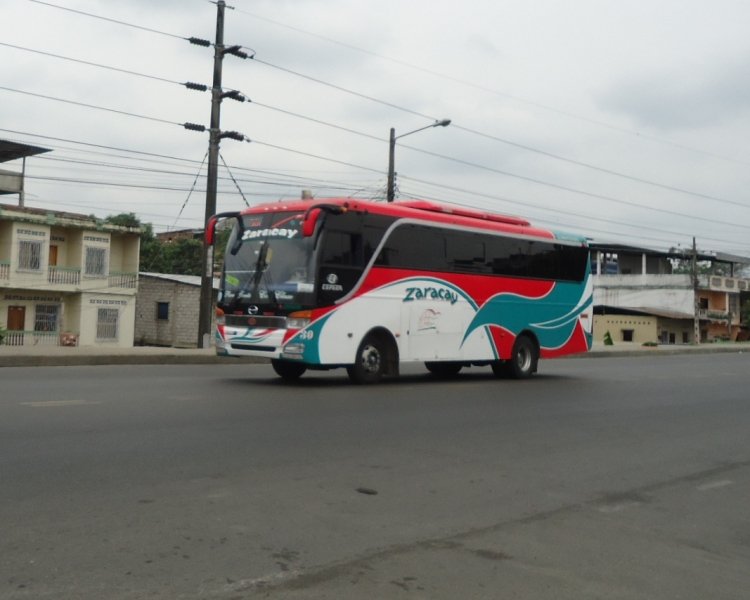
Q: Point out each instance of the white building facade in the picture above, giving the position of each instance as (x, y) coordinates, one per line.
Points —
(66, 279)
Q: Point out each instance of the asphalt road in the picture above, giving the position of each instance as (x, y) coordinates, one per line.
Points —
(600, 478)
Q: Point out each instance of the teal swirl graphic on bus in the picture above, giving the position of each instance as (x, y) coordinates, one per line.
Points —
(552, 318)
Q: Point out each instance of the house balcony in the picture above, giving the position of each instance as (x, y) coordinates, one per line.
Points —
(66, 279)
(719, 283)
(123, 280)
(71, 276)
(64, 275)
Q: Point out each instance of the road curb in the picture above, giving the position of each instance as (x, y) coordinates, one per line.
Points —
(121, 359)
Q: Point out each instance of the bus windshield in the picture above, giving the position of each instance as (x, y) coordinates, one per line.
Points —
(268, 262)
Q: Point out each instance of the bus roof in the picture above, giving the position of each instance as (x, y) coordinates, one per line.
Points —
(424, 211)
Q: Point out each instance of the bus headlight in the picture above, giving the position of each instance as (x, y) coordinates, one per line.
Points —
(299, 319)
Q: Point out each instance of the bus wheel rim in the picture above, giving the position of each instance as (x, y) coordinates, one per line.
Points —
(371, 359)
(524, 359)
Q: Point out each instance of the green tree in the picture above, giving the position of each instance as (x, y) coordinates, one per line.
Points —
(182, 257)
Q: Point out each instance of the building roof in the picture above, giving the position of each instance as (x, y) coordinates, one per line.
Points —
(59, 218)
(681, 253)
(192, 280)
(14, 150)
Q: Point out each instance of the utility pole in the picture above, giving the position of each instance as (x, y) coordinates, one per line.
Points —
(391, 173)
(696, 301)
(207, 276)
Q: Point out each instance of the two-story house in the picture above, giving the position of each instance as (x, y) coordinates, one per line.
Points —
(639, 297)
(66, 278)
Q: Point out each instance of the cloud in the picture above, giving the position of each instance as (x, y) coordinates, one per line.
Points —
(682, 98)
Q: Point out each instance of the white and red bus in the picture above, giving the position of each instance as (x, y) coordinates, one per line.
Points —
(322, 284)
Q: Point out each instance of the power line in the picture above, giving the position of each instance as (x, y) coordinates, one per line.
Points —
(552, 109)
(459, 127)
(490, 137)
(92, 106)
(110, 20)
(90, 64)
(286, 177)
(587, 216)
(343, 89)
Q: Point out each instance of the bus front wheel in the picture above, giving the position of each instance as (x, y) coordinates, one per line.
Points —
(370, 361)
(288, 371)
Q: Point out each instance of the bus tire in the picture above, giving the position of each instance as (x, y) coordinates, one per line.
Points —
(369, 362)
(288, 371)
(523, 358)
(501, 369)
(445, 369)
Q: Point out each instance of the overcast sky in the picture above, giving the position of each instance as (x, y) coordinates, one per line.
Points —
(625, 121)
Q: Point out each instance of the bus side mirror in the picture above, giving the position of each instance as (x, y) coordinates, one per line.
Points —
(308, 225)
(211, 230)
(210, 233)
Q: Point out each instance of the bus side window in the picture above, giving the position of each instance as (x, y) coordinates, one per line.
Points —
(414, 247)
(341, 248)
(465, 253)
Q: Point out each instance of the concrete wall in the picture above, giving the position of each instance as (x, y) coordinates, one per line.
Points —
(89, 314)
(644, 328)
(667, 292)
(181, 328)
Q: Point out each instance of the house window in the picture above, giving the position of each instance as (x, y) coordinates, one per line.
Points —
(162, 311)
(96, 261)
(107, 323)
(672, 338)
(703, 303)
(45, 318)
(29, 255)
(685, 337)
(627, 335)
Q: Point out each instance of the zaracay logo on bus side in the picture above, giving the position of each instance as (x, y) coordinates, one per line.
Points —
(276, 232)
(430, 293)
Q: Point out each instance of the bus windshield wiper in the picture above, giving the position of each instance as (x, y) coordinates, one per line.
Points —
(260, 267)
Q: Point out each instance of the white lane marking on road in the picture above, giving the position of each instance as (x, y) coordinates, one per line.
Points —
(613, 508)
(712, 485)
(53, 403)
(246, 584)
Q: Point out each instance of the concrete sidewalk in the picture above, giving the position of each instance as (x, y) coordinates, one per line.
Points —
(54, 356)
(49, 356)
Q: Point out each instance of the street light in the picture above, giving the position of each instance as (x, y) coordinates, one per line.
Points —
(392, 149)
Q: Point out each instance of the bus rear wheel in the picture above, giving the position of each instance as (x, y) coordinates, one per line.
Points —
(369, 362)
(443, 369)
(523, 358)
(288, 371)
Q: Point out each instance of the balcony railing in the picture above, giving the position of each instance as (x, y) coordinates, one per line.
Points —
(72, 276)
(123, 280)
(723, 284)
(712, 314)
(64, 275)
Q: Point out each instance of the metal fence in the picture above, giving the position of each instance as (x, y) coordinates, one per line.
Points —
(30, 338)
